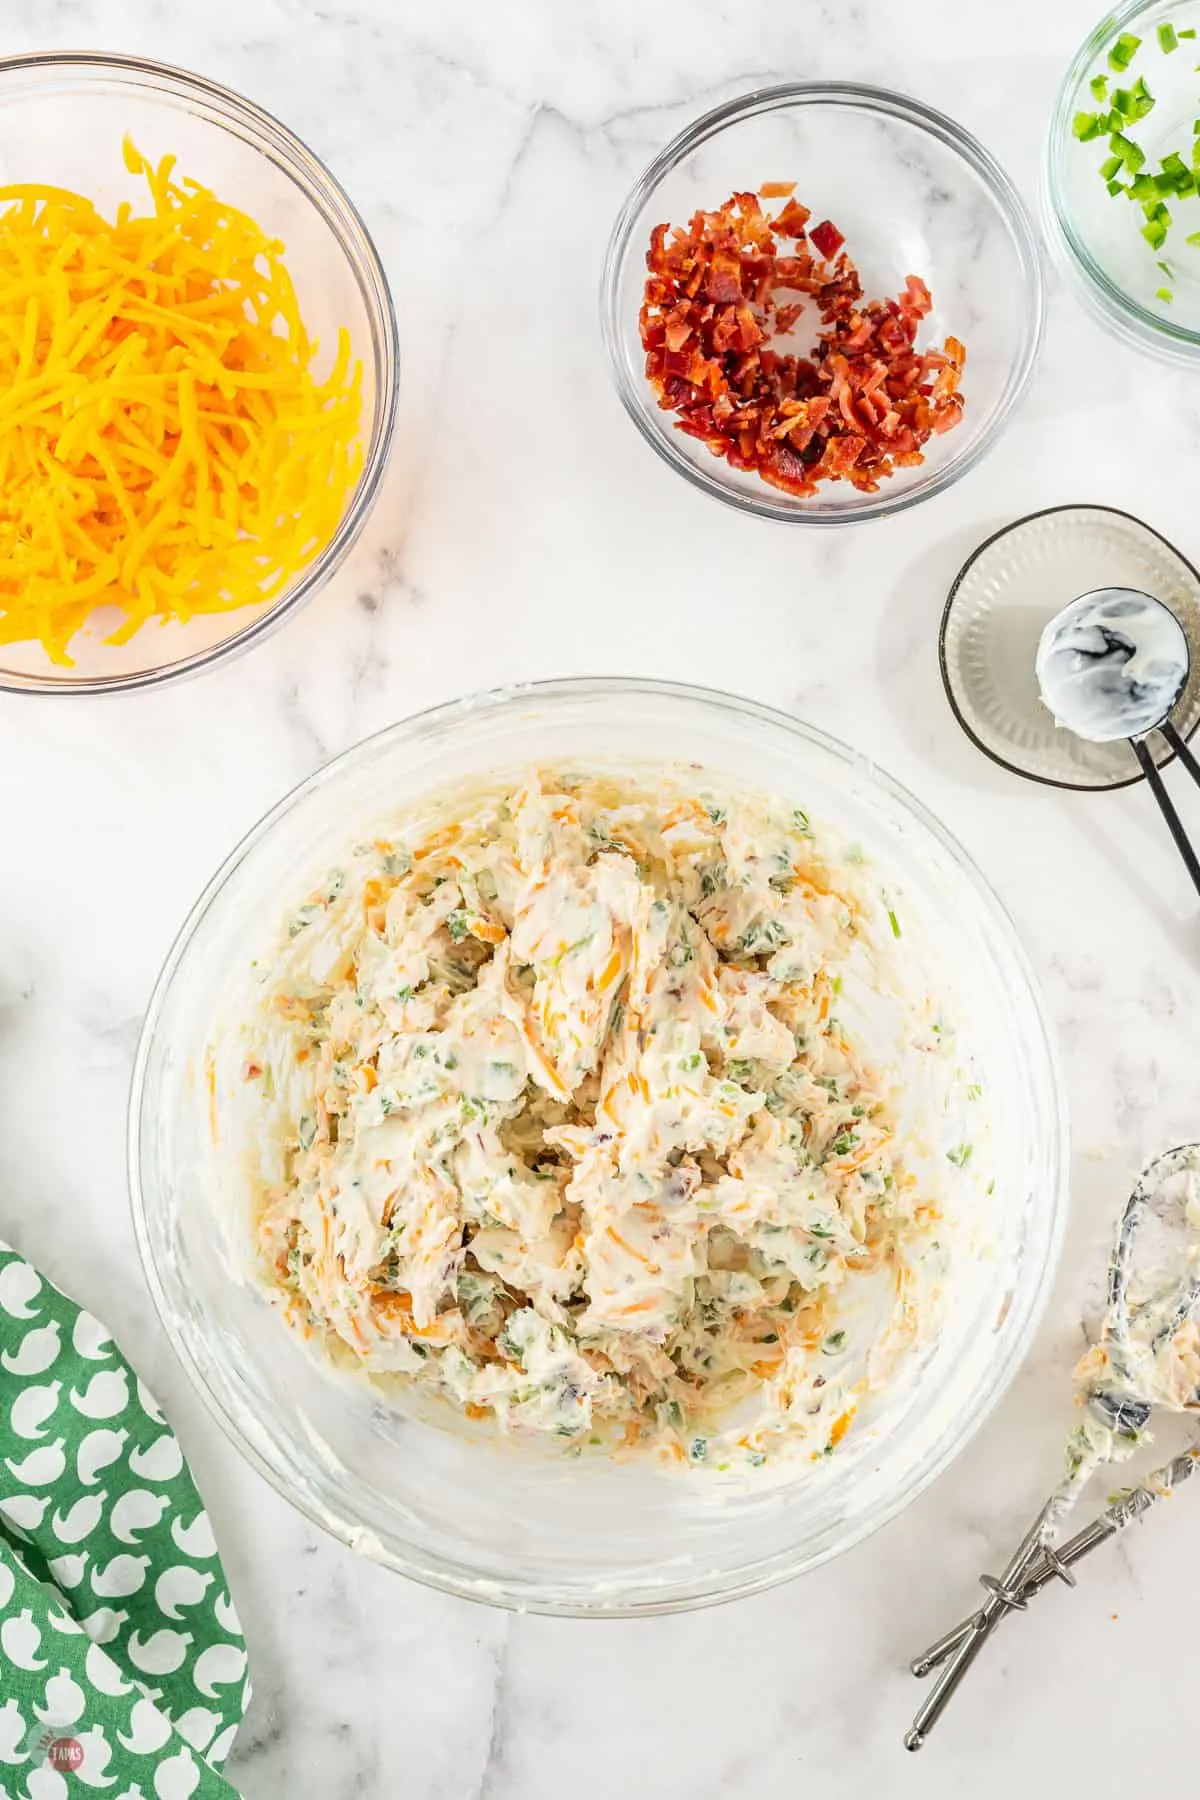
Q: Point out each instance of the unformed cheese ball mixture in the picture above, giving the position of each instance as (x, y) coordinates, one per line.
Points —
(551, 1112)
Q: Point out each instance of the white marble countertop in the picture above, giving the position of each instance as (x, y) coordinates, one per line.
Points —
(481, 143)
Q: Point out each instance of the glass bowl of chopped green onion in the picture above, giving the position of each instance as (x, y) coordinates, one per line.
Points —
(1122, 175)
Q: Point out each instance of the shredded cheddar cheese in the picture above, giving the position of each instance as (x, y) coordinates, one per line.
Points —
(165, 447)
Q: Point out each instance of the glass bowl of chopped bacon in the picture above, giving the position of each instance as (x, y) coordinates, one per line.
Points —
(199, 373)
(822, 302)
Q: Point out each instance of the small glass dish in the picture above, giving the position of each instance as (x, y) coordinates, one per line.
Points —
(1147, 295)
(591, 1537)
(62, 120)
(913, 193)
(1004, 596)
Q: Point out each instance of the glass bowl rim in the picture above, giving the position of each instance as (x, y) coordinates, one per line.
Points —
(1130, 319)
(860, 97)
(1163, 759)
(270, 138)
(1026, 1308)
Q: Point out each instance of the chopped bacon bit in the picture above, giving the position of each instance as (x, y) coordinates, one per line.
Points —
(792, 220)
(862, 404)
(827, 238)
(947, 419)
(841, 454)
(918, 296)
(677, 334)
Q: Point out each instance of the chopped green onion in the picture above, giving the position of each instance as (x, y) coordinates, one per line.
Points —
(960, 1155)
(1135, 102)
(1124, 51)
(1176, 179)
(1131, 154)
(1165, 267)
(1193, 237)
(1123, 170)
(1142, 94)
(1163, 294)
(894, 922)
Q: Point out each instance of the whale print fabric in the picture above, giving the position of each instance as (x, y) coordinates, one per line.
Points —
(122, 1662)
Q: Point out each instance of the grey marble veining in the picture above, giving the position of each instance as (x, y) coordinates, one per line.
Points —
(525, 531)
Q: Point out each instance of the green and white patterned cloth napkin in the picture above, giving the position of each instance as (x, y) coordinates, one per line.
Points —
(122, 1663)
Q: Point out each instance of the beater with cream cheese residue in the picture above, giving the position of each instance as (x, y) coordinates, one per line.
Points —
(553, 1105)
(1146, 1353)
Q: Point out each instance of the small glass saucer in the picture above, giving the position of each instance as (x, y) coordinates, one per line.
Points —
(1003, 596)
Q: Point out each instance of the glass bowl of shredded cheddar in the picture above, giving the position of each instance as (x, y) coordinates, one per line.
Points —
(198, 373)
(597, 1147)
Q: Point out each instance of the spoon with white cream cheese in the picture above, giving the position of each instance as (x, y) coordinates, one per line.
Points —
(1113, 665)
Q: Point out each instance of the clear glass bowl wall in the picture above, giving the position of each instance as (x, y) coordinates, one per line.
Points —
(586, 1537)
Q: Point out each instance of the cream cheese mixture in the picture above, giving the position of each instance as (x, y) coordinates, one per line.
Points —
(1146, 1355)
(1112, 664)
(553, 1107)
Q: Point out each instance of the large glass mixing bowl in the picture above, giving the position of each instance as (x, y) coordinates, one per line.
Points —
(587, 1537)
